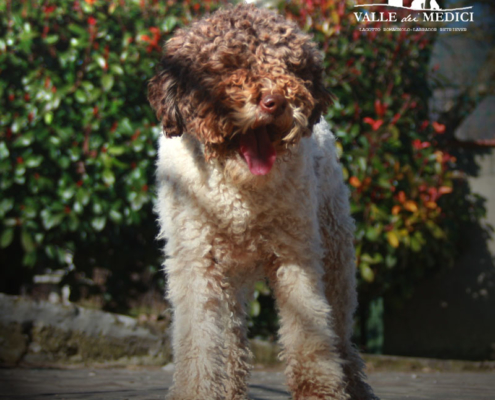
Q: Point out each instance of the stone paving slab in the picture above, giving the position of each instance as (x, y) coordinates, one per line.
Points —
(150, 384)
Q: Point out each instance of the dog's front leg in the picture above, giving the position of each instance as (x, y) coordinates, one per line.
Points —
(202, 313)
(314, 368)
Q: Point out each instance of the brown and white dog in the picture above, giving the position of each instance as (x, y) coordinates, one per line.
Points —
(249, 187)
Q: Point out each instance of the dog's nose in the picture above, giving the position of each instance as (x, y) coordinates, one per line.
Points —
(273, 103)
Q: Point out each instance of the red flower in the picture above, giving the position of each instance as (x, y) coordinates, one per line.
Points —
(380, 108)
(47, 10)
(439, 128)
(92, 20)
(375, 125)
(153, 42)
(136, 135)
(418, 144)
(354, 181)
(155, 31)
(46, 29)
(395, 119)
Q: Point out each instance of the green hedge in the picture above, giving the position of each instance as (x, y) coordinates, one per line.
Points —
(77, 135)
(409, 195)
(77, 143)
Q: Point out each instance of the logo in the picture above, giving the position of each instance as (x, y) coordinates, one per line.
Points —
(425, 11)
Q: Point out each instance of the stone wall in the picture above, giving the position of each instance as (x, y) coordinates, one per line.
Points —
(41, 333)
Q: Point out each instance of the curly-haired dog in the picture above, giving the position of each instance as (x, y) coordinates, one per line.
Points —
(250, 186)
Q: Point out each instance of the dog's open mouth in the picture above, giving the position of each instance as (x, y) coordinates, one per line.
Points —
(258, 150)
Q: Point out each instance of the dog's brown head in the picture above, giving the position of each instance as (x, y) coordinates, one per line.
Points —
(243, 81)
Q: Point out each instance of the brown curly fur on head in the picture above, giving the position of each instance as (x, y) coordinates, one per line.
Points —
(214, 73)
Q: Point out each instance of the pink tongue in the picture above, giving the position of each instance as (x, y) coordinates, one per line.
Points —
(258, 151)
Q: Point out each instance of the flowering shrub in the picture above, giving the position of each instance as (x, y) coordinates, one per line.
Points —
(77, 140)
(77, 136)
(396, 160)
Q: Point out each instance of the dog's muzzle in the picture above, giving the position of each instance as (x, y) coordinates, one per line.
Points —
(255, 144)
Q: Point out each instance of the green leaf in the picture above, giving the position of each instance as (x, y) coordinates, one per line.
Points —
(80, 96)
(366, 272)
(169, 23)
(115, 216)
(98, 223)
(376, 259)
(24, 140)
(393, 239)
(372, 233)
(83, 196)
(27, 241)
(108, 177)
(100, 61)
(116, 150)
(107, 82)
(390, 261)
(4, 151)
(50, 220)
(29, 259)
(117, 69)
(254, 308)
(77, 29)
(51, 39)
(6, 205)
(10, 222)
(126, 126)
(73, 222)
(6, 238)
(67, 193)
(48, 117)
(34, 161)
(51, 251)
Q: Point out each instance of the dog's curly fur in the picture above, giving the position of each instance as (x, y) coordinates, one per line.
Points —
(241, 82)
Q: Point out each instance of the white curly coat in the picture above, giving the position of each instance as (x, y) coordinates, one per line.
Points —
(226, 230)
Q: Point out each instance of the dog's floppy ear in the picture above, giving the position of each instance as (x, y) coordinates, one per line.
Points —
(163, 97)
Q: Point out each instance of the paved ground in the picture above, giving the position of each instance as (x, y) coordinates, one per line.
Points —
(149, 384)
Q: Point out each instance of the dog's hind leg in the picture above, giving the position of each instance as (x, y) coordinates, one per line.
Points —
(340, 290)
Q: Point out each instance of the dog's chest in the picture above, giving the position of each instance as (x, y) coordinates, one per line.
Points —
(245, 224)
